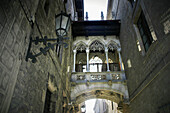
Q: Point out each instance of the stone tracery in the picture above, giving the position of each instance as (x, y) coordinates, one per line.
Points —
(96, 45)
(112, 46)
(81, 47)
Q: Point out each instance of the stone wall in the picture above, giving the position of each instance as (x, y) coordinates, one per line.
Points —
(148, 77)
(23, 84)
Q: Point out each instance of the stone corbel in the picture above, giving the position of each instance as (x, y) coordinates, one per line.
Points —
(110, 82)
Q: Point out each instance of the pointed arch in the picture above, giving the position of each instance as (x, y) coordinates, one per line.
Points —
(80, 46)
(112, 45)
(96, 45)
(116, 88)
(98, 92)
(98, 39)
(115, 97)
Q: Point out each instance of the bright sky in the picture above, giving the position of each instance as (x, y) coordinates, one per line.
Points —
(90, 105)
(94, 8)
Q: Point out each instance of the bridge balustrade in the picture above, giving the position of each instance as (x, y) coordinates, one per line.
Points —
(83, 77)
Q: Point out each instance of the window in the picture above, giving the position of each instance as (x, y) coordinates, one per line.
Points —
(144, 31)
(47, 101)
(95, 64)
(129, 63)
(138, 44)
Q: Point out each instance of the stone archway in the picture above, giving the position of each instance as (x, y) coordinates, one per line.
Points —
(100, 90)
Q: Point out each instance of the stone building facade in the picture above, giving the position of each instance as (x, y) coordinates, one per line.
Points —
(23, 84)
(148, 75)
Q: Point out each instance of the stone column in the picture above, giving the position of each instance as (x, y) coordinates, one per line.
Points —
(106, 52)
(87, 52)
(74, 63)
(120, 59)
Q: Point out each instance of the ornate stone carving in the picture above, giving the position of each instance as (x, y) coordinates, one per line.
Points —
(98, 77)
(96, 45)
(80, 77)
(116, 77)
(81, 47)
(110, 83)
(112, 46)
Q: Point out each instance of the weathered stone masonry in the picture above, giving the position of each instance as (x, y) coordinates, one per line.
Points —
(23, 84)
(148, 77)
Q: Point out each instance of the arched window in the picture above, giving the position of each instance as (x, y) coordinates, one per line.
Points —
(95, 64)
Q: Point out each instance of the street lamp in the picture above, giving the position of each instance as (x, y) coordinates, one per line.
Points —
(62, 26)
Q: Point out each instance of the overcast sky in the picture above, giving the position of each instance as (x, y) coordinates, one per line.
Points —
(94, 8)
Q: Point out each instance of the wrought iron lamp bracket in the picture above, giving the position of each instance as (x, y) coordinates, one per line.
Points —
(48, 46)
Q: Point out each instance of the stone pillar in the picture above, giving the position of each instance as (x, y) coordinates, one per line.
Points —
(74, 63)
(106, 52)
(87, 52)
(120, 59)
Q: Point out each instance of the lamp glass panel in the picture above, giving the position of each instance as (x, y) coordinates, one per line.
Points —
(62, 33)
(64, 22)
(58, 20)
(68, 25)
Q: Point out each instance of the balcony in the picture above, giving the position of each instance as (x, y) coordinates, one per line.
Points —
(98, 73)
(98, 67)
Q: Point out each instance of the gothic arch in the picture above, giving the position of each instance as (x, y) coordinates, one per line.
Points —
(94, 39)
(109, 95)
(102, 93)
(112, 45)
(96, 45)
(80, 46)
(115, 88)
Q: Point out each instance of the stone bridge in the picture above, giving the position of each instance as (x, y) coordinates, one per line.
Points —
(104, 85)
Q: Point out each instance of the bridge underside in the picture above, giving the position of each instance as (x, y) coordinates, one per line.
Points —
(102, 94)
(115, 92)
